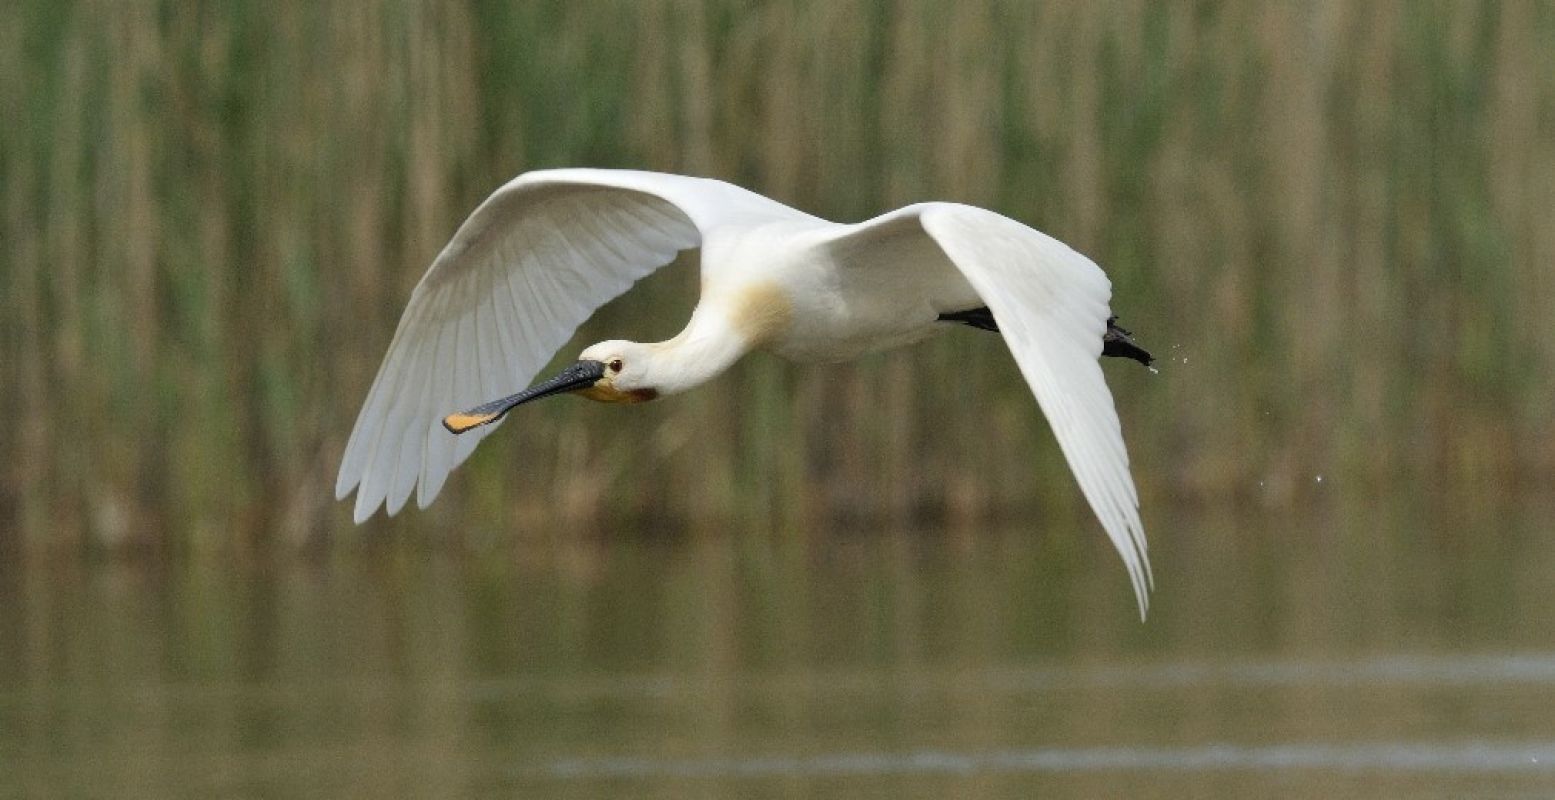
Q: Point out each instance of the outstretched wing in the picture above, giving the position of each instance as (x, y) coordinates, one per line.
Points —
(521, 274)
(1051, 304)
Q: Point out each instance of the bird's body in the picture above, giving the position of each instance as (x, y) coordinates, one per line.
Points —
(798, 291)
(544, 251)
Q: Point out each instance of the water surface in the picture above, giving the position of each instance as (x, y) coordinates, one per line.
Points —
(1370, 652)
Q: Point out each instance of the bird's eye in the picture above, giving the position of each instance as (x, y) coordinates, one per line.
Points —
(615, 365)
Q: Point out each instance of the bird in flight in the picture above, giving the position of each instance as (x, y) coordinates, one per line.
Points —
(548, 248)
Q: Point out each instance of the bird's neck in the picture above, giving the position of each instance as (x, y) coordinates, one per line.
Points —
(708, 346)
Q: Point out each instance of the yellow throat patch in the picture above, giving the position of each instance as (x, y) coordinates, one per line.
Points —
(605, 392)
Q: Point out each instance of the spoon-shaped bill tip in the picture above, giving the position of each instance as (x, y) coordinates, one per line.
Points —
(465, 420)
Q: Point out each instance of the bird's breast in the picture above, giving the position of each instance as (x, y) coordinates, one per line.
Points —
(761, 312)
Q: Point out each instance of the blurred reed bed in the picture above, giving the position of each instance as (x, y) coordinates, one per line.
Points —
(1330, 220)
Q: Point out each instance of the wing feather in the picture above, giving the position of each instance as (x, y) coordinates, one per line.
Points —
(435, 461)
(389, 407)
(411, 441)
(513, 284)
(1051, 304)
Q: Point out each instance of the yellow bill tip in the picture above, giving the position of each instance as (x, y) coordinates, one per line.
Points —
(459, 423)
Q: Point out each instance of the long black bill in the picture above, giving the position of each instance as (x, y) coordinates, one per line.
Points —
(580, 375)
(1120, 343)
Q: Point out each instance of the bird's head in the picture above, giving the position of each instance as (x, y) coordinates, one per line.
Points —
(608, 372)
(624, 372)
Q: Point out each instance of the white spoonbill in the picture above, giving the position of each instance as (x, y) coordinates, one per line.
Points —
(547, 249)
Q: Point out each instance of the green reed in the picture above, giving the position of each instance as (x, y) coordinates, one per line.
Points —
(1330, 221)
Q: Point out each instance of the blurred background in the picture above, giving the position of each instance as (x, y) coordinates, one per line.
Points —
(1330, 221)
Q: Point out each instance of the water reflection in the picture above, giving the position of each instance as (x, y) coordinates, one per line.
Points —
(1475, 757)
(1359, 650)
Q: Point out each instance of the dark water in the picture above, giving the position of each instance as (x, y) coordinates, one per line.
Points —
(1362, 650)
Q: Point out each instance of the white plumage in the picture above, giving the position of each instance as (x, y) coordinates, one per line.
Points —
(547, 249)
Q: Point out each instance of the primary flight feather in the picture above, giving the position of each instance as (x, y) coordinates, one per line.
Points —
(549, 247)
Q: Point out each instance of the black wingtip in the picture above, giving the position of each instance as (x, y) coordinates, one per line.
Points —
(1119, 343)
